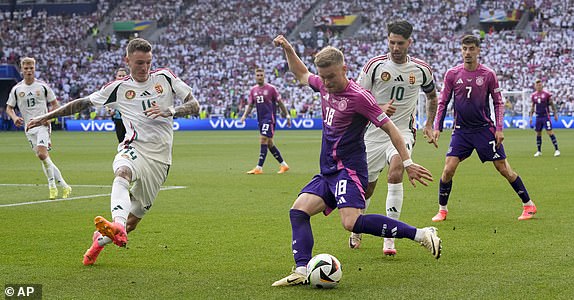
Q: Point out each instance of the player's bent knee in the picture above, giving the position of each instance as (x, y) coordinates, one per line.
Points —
(124, 172)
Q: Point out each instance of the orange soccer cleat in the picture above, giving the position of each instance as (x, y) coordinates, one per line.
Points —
(114, 231)
(92, 254)
(283, 169)
(440, 216)
(528, 212)
(256, 171)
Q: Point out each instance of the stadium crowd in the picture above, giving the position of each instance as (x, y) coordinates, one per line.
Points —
(215, 46)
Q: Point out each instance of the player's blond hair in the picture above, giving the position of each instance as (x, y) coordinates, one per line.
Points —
(27, 61)
(138, 44)
(329, 56)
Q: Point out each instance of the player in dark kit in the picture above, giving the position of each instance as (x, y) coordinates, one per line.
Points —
(471, 85)
(541, 101)
(266, 98)
(346, 110)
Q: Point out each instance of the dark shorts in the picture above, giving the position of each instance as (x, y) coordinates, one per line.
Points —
(543, 123)
(267, 128)
(462, 144)
(341, 189)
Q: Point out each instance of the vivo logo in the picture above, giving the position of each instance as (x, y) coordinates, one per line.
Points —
(98, 126)
(299, 123)
(224, 123)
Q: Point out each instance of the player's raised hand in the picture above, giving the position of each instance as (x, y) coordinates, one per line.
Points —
(418, 173)
(280, 40)
(388, 108)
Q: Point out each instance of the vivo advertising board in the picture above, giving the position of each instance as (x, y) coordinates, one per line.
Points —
(296, 124)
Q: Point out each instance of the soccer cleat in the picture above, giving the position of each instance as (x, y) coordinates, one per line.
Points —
(255, 171)
(528, 212)
(66, 192)
(53, 193)
(92, 254)
(114, 231)
(432, 242)
(557, 153)
(389, 247)
(283, 169)
(538, 153)
(355, 240)
(295, 278)
(440, 216)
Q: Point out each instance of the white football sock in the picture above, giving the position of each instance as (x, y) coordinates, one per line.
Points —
(419, 235)
(442, 207)
(529, 203)
(47, 166)
(120, 200)
(301, 270)
(58, 176)
(394, 200)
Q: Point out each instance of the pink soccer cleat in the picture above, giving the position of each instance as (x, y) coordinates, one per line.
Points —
(115, 231)
(528, 212)
(91, 255)
(440, 216)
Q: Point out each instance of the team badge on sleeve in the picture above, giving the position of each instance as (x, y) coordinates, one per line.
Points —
(130, 94)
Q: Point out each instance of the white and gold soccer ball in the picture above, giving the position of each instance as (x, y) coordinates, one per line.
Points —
(324, 271)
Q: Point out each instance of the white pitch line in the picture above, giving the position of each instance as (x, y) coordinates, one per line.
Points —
(166, 188)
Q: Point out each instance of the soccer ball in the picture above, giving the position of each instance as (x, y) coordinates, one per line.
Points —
(324, 271)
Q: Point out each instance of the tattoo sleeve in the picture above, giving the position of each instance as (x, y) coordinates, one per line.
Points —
(70, 108)
(432, 104)
(190, 106)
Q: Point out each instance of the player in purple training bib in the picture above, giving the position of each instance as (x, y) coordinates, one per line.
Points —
(541, 101)
(266, 99)
(346, 110)
(471, 85)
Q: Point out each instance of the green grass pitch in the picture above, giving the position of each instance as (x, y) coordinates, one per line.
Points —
(227, 234)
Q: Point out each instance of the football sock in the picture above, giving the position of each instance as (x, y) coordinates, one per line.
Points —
(520, 189)
(554, 141)
(120, 200)
(58, 176)
(394, 200)
(539, 142)
(302, 234)
(276, 154)
(262, 155)
(444, 192)
(379, 225)
(529, 203)
(49, 172)
(103, 240)
(301, 270)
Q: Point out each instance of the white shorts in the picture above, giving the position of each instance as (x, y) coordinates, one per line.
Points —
(147, 177)
(379, 154)
(39, 136)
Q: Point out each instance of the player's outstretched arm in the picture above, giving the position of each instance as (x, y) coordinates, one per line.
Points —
(414, 171)
(295, 64)
(69, 109)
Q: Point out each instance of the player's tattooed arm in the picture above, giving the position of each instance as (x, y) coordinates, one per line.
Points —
(190, 106)
(69, 109)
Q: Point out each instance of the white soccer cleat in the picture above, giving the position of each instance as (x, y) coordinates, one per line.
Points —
(431, 241)
(538, 153)
(557, 153)
(389, 247)
(355, 240)
(295, 278)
